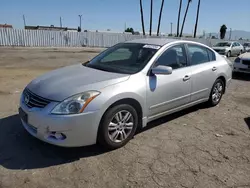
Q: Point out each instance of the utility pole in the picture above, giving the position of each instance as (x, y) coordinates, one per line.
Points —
(24, 22)
(171, 30)
(230, 34)
(80, 16)
(60, 21)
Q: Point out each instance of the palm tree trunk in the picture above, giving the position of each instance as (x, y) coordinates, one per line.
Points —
(184, 19)
(178, 22)
(151, 15)
(142, 19)
(197, 18)
(159, 22)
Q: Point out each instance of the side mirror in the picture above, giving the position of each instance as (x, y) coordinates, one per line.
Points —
(165, 70)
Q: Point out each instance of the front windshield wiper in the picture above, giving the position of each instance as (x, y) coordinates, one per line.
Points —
(96, 67)
(107, 69)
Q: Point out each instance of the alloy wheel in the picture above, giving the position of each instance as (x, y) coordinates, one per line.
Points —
(217, 92)
(120, 126)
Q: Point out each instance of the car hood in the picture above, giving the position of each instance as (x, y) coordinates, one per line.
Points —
(245, 55)
(220, 48)
(62, 83)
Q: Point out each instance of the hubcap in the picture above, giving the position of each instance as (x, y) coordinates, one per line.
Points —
(217, 92)
(120, 126)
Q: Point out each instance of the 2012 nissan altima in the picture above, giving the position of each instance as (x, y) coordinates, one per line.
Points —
(120, 90)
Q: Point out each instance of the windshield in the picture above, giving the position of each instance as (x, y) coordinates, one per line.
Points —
(127, 58)
(246, 44)
(222, 44)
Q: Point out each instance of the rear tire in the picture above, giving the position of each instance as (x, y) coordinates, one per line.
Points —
(216, 92)
(117, 126)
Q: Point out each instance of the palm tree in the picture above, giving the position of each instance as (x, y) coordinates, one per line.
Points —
(184, 19)
(179, 15)
(159, 22)
(223, 30)
(142, 19)
(151, 14)
(197, 18)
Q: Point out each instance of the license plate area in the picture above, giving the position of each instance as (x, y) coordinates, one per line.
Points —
(23, 115)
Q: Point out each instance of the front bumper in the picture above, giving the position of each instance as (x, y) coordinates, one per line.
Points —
(238, 67)
(78, 130)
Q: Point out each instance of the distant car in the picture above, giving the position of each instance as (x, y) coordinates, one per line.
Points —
(242, 63)
(119, 91)
(246, 46)
(229, 48)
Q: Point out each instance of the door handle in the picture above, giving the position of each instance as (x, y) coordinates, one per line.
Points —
(186, 78)
(214, 69)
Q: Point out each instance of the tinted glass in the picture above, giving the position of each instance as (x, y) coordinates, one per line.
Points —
(174, 57)
(222, 44)
(211, 55)
(198, 54)
(127, 58)
(246, 44)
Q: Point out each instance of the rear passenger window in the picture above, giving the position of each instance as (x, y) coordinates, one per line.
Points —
(211, 55)
(198, 54)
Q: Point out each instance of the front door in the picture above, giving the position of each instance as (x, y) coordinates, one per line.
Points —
(167, 92)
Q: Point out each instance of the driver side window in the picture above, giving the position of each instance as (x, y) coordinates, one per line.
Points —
(174, 57)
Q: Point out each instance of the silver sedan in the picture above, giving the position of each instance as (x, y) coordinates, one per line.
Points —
(119, 91)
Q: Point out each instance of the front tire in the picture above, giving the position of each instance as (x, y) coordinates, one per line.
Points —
(216, 92)
(229, 54)
(118, 126)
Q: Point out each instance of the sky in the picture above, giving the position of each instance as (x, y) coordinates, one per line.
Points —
(115, 14)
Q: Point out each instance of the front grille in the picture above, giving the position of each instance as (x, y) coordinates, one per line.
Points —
(33, 100)
(246, 62)
(246, 70)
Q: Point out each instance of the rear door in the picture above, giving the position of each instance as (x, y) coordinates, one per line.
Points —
(202, 61)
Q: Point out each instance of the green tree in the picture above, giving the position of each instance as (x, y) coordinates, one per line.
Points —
(185, 15)
(223, 30)
(142, 19)
(178, 21)
(129, 30)
(151, 17)
(197, 18)
(159, 22)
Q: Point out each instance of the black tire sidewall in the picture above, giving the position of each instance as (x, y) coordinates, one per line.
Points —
(229, 54)
(212, 103)
(103, 137)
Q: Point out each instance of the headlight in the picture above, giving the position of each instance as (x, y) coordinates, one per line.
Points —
(75, 104)
(237, 60)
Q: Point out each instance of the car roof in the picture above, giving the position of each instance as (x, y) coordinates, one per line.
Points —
(154, 41)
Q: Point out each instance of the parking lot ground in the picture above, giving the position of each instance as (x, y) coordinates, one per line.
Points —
(199, 147)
